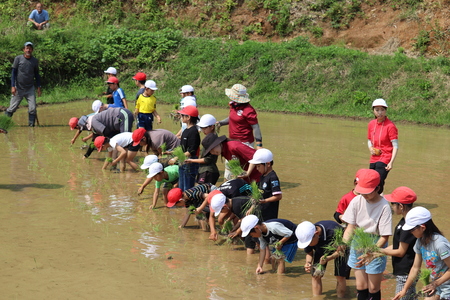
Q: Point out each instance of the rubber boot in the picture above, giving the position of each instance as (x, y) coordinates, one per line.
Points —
(8, 114)
(31, 120)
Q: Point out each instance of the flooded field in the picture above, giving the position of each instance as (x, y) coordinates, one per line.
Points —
(72, 231)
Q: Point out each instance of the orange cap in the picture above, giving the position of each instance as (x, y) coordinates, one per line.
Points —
(73, 122)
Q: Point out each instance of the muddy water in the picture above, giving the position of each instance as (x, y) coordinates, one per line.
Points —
(72, 231)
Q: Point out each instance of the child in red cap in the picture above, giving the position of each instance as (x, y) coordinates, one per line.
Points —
(371, 212)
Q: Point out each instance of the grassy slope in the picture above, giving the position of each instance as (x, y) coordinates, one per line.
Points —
(291, 76)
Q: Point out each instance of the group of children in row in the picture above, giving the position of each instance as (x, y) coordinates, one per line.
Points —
(192, 184)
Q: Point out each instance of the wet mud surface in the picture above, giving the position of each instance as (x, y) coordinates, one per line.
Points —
(72, 231)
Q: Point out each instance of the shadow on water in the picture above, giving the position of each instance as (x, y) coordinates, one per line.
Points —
(289, 185)
(20, 187)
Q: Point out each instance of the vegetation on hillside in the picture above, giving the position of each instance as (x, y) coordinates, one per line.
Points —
(291, 76)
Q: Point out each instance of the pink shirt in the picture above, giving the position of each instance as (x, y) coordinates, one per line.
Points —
(381, 135)
(375, 218)
(240, 122)
(236, 149)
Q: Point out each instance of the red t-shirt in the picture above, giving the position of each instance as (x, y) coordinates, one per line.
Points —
(236, 149)
(240, 122)
(381, 135)
(345, 201)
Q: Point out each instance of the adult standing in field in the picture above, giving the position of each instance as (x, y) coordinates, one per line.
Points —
(242, 121)
(25, 71)
(382, 137)
(39, 18)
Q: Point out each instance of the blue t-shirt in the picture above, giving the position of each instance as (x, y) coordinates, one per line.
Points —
(434, 255)
(118, 95)
(39, 17)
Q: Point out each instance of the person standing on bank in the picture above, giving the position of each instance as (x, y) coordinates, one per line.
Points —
(382, 141)
(25, 70)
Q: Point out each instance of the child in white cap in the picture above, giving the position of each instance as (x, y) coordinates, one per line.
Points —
(434, 249)
(166, 177)
(279, 232)
(313, 238)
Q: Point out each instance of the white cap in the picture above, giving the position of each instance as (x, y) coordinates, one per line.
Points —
(217, 203)
(379, 102)
(417, 216)
(261, 156)
(111, 70)
(206, 120)
(150, 84)
(305, 233)
(154, 169)
(148, 161)
(248, 223)
(96, 105)
(188, 100)
(186, 89)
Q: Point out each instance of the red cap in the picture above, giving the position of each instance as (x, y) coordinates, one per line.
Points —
(189, 110)
(99, 141)
(403, 195)
(173, 196)
(368, 180)
(140, 76)
(112, 79)
(137, 136)
(73, 122)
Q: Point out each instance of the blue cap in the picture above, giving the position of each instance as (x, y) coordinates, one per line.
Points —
(28, 44)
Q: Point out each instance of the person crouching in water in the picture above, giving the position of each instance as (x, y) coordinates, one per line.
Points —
(279, 232)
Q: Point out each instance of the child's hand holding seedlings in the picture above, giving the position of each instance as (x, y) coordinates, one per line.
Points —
(430, 289)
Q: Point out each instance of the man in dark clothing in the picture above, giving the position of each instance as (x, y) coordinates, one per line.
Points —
(25, 70)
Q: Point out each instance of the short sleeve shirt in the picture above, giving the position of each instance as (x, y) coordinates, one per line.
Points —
(381, 136)
(326, 237)
(434, 254)
(123, 139)
(241, 119)
(276, 230)
(161, 136)
(118, 95)
(39, 17)
(146, 105)
(345, 201)
(402, 265)
(172, 172)
(235, 187)
(375, 218)
(195, 194)
(270, 186)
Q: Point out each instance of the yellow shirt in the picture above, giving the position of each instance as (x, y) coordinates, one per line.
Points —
(146, 105)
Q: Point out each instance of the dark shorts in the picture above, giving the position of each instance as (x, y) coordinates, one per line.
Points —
(208, 177)
(145, 121)
(340, 264)
(132, 148)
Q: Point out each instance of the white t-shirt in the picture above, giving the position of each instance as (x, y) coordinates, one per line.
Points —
(122, 139)
(375, 218)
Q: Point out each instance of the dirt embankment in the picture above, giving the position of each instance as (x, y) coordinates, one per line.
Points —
(380, 28)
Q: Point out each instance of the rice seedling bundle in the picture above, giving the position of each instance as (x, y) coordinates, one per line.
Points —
(179, 153)
(6, 122)
(163, 149)
(109, 159)
(235, 167)
(425, 276)
(337, 242)
(318, 270)
(227, 227)
(277, 254)
(365, 242)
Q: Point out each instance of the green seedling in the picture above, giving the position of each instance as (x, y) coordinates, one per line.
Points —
(179, 153)
(227, 227)
(235, 167)
(109, 159)
(277, 254)
(6, 123)
(365, 242)
(163, 149)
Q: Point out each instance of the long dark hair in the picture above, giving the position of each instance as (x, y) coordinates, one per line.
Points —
(148, 140)
(430, 229)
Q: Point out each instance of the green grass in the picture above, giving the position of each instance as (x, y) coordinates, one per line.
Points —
(292, 76)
